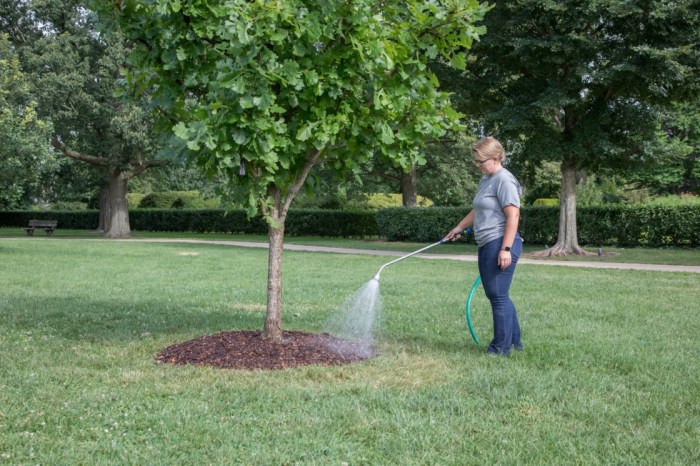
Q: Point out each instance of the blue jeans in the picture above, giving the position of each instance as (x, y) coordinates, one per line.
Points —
(496, 282)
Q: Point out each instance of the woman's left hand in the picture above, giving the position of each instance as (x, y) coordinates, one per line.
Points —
(504, 259)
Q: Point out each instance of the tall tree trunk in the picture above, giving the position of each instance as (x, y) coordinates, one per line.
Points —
(273, 321)
(409, 190)
(103, 223)
(118, 208)
(567, 240)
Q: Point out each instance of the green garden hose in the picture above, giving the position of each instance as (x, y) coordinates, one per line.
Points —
(469, 309)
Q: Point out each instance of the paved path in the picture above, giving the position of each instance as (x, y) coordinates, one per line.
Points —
(456, 257)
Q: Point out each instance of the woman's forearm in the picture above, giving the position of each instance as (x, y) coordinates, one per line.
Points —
(512, 219)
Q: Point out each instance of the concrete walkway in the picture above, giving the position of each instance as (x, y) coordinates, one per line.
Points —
(456, 257)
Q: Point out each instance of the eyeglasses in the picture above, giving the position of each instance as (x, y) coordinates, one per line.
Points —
(478, 163)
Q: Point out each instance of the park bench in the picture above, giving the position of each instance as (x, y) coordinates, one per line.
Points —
(47, 225)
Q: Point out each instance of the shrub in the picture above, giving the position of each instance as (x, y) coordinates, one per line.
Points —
(546, 202)
(134, 199)
(378, 201)
(177, 200)
(72, 206)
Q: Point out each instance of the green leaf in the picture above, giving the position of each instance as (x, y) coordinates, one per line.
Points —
(246, 101)
(306, 131)
(458, 61)
(386, 135)
(180, 130)
(240, 137)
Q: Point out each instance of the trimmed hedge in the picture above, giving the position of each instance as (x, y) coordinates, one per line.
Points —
(424, 225)
(299, 222)
(73, 220)
(621, 226)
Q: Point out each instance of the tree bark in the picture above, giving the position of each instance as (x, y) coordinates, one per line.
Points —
(567, 239)
(409, 190)
(118, 209)
(273, 320)
(115, 221)
(104, 206)
(276, 214)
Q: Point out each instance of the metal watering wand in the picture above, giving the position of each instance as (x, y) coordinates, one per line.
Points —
(442, 241)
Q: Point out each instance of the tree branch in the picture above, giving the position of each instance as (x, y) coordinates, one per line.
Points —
(92, 160)
(301, 179)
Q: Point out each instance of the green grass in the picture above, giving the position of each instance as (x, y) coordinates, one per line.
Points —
(609, 374)
(670, 256)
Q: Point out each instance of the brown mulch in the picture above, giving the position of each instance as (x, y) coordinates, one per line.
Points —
(248, 350)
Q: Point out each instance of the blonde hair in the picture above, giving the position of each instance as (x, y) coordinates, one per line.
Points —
(489, 148)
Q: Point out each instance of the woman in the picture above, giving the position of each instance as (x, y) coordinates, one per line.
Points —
(494, 219)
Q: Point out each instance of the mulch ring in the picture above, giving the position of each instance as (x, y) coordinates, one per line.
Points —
(248, 350)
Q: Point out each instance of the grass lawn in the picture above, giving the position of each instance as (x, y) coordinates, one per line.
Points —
(671, 256)
(609, 374)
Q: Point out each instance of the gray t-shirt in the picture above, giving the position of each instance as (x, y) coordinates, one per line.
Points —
(495, 192)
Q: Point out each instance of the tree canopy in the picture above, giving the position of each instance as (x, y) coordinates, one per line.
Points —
(263, 91)
(582, 83)
(25, 156)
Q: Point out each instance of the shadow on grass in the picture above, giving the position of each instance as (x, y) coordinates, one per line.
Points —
(121, 320)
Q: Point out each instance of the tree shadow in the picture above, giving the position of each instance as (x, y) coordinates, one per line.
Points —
(75, 318)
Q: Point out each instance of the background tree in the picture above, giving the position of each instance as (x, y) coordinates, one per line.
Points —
(74, 71)
(677, 168)
(582, 83)
(266, 91)
(25, 155)
(447, 176)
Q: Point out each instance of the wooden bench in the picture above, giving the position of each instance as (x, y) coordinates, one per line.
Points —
(48, 225)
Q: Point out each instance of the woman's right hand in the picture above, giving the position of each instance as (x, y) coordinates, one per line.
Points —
(454, 234)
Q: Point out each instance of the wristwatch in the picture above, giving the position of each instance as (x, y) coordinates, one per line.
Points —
(505, 248)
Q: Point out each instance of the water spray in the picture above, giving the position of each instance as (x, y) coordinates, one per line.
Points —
(442, 241)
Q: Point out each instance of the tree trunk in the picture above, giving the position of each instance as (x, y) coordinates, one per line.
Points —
(567, 240)
(409, 190)
(103, 223)
(276, 214)
(273, 321)
(118, 208)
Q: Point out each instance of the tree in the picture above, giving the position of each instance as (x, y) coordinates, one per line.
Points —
(25, 155)
(74, 71)
(677, 169)
(583, 83)
(264, 91)
(448, 176)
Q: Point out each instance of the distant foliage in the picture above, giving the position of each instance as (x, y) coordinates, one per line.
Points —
(134, 199)
(674, 200)
(382, 201)
(177, 200)
(69, 206)
(546, 203)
